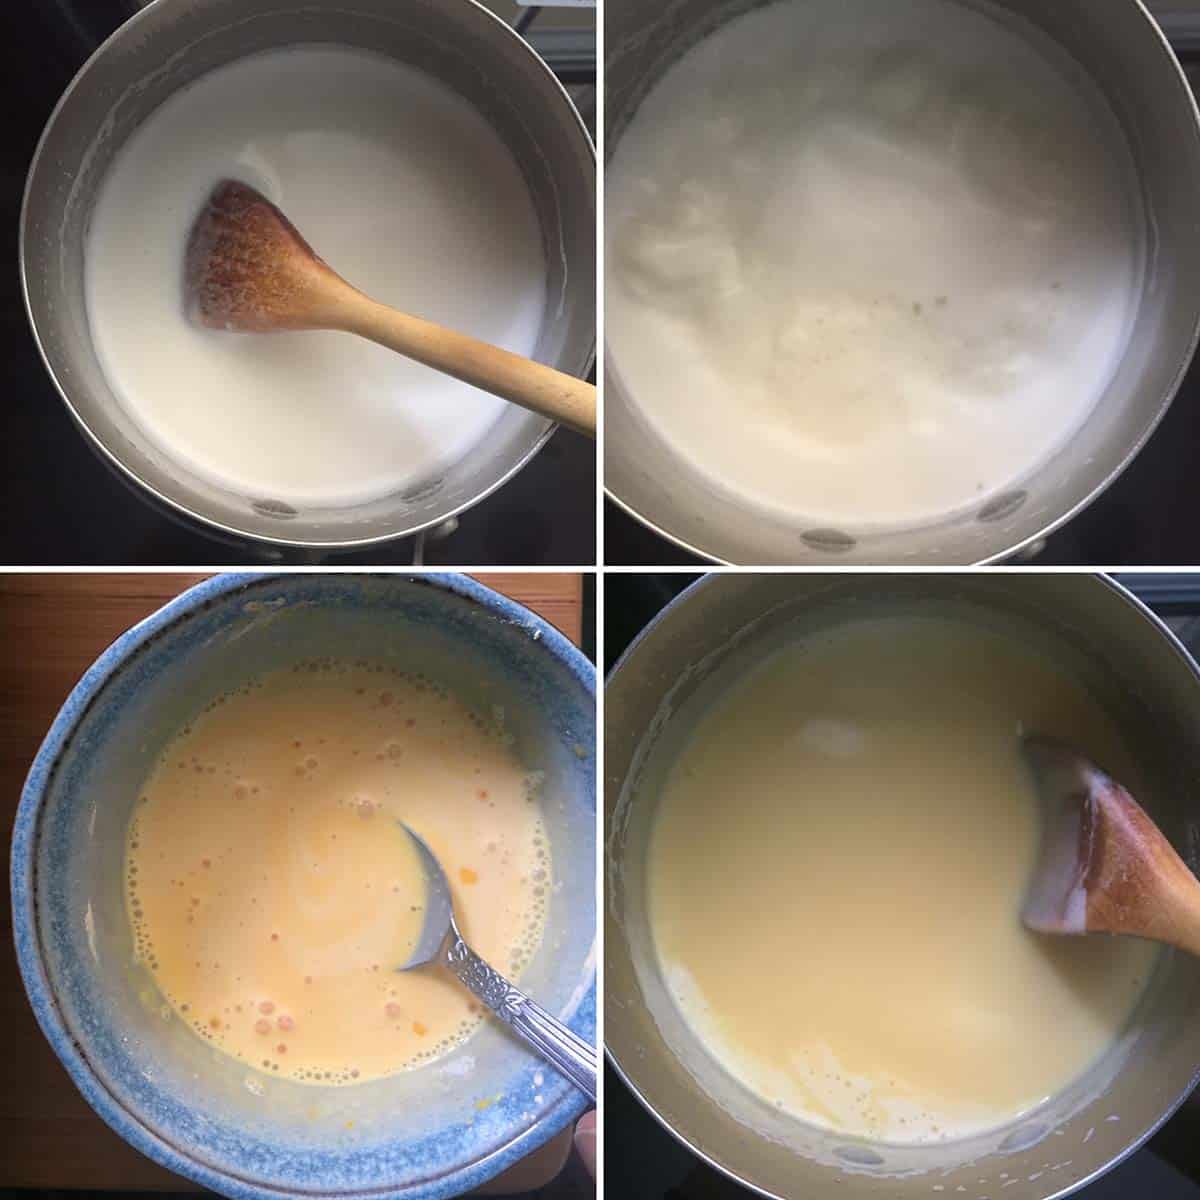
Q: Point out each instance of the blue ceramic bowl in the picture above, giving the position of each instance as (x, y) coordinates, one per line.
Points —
(431, 1132)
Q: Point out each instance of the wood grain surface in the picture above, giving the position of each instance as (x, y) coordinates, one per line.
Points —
(52, 627)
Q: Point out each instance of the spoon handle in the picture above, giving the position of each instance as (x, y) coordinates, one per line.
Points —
(567, 1053)
(532, 385)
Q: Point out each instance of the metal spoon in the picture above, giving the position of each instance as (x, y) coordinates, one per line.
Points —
(441, 942)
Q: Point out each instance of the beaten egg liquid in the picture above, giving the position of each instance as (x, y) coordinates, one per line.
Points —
(272, 894)
(836, 874)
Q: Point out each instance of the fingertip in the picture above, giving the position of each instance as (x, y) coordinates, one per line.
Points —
(585, 1141)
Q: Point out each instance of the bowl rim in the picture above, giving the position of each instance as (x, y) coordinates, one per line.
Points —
(124, 1119)
(148, 491)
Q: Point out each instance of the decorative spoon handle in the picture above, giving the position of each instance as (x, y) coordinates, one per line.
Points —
(568, 1054)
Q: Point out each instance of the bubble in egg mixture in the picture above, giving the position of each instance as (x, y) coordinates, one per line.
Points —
(272, 894)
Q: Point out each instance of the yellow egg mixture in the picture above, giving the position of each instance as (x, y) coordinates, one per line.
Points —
(836, 874)
(272, 893)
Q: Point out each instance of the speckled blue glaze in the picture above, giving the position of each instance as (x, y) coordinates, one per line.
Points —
(433, 1132)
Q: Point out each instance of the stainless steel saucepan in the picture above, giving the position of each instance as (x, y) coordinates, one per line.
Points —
(167, 45)
(1121, 48)
(1141, 674)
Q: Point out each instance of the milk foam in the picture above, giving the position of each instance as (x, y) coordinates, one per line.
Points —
(869, 261)
(402, 187)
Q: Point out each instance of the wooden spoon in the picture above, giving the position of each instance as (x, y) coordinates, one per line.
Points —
(1104, 866)
(248, 270)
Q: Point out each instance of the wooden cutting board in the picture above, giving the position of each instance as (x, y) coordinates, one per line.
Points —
(52, 627)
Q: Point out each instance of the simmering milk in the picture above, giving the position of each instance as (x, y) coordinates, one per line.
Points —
(869, 262)
(401, 187)
(836, 872)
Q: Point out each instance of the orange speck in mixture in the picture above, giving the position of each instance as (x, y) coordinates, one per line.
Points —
(467, 875)
(419, 1029)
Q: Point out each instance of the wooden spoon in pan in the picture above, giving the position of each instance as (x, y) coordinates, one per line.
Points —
(1104, 867)
(248, 270)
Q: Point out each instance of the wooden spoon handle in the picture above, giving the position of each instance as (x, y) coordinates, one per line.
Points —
(1173, 902)
(1135, 879)
(530, 384)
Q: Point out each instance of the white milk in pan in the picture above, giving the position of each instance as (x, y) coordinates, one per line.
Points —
(401, 186)
(870, 261)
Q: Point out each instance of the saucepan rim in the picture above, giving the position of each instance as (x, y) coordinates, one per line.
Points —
(123, 33)
(628, 1072)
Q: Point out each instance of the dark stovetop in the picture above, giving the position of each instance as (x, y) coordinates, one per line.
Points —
(64, 506)
(1145, 519)
(643, 1162)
